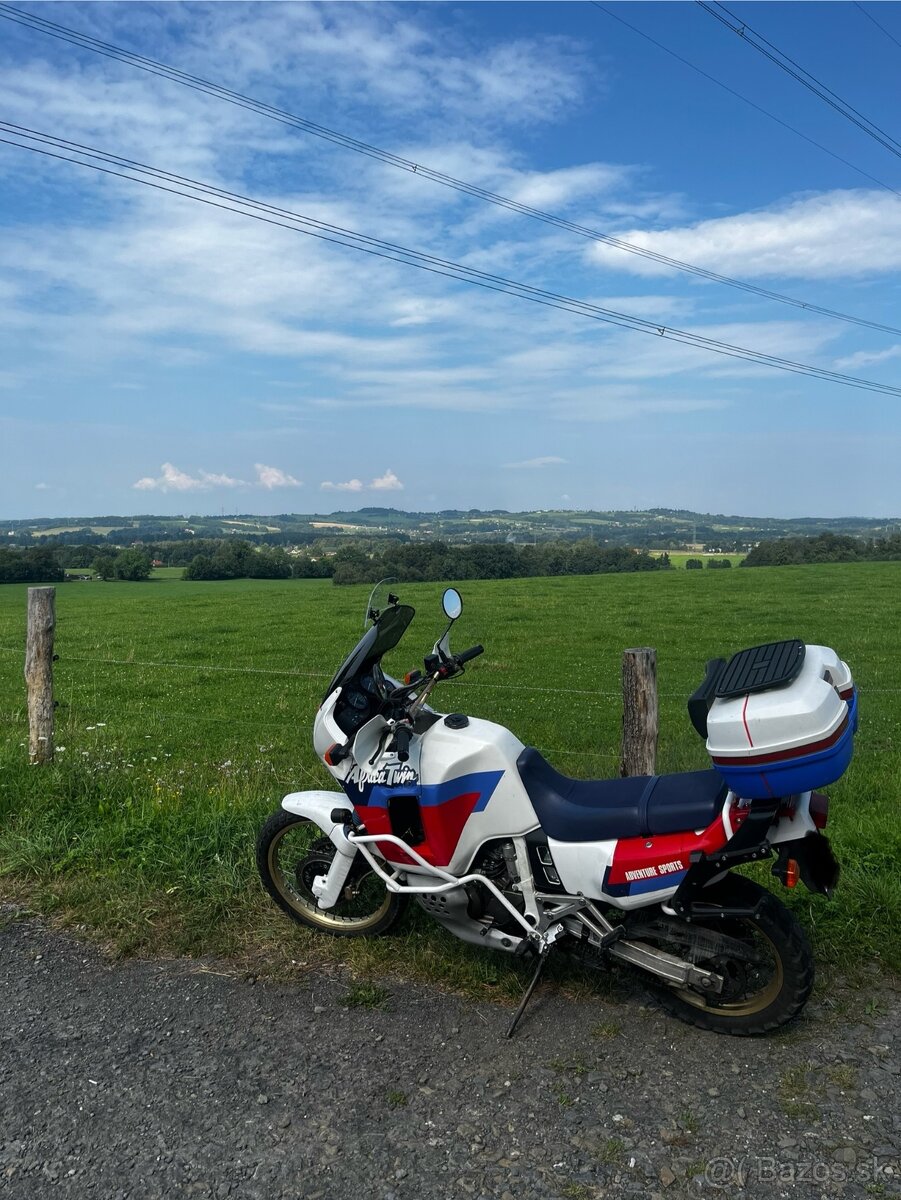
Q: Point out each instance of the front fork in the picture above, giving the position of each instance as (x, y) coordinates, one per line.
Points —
(328, 888)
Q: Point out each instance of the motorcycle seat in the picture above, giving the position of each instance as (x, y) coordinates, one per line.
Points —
(599, 810)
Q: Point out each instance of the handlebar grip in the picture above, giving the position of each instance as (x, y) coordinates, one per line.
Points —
(472, 652)
(402, 736)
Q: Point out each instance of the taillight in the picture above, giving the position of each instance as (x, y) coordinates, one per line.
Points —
(819, 809)
(792, 873)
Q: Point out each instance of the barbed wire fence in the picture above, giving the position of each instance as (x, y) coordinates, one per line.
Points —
(173, 717)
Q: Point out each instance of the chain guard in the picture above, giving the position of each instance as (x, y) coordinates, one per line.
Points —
(695, 943)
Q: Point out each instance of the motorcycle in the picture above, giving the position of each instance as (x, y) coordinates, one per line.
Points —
(505, 852)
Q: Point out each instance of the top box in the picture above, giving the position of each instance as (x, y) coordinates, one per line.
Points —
(783, 720)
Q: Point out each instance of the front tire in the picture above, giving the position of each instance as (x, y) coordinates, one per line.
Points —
(292, 851)
(763, 989)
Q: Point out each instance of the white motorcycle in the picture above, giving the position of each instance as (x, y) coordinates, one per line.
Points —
(507, 853)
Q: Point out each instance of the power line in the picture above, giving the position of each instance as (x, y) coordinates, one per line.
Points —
(196, 83)
(215, 197)
(878, 25)
(740, 96)
(799, 73)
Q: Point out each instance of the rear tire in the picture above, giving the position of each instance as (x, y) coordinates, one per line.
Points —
(291, 851)
(759, 998)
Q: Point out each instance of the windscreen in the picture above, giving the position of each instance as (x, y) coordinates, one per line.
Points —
(376, 641)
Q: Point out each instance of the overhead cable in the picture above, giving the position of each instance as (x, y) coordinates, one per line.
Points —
(739, 96)
(50, 146)
(870, 17)
(196, 83)
(799, 73)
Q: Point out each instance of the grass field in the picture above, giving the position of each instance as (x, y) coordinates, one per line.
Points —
(186, 708)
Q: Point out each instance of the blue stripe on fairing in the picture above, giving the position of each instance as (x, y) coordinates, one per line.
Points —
(658, 883)
(432, 795)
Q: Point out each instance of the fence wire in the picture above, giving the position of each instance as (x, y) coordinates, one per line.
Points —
(169, 664)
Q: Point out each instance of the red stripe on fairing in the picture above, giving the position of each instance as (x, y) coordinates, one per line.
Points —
(376, 821)
(847, 693)
(784, 755)
(632, 854)
(744, 720)
(441, 823)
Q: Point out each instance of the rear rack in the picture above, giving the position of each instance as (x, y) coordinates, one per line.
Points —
(760, 668)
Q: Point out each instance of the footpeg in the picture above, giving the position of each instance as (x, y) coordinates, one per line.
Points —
(617, 932)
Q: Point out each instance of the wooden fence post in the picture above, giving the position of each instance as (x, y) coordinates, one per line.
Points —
(39, 672)
(639, 754)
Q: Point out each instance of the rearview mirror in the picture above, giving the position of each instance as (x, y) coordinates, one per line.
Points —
(452, 603)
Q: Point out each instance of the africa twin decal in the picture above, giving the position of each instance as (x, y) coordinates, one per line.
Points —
(391, 775)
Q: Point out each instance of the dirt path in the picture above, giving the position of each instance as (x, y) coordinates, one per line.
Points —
(148, 1079)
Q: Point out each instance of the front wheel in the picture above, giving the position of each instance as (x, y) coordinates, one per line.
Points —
(292, 851)
(765, 962)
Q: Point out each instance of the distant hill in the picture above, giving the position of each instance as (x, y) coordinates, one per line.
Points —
(656, 528)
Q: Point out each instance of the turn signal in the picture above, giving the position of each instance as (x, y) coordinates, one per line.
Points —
(336, 753)
(792, 874)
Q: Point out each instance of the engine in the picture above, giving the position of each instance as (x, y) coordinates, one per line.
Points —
(497, 862)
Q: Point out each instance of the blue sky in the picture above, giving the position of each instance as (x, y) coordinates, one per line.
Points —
(159, 356)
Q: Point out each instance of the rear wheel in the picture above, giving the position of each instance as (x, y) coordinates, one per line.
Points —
(292, 851)
(765, 962)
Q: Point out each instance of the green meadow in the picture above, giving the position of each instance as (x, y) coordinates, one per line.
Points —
(185, 712)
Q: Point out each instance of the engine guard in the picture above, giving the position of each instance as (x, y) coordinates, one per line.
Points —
(817, 865)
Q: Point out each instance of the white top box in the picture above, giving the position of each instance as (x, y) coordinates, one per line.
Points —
(805, 712)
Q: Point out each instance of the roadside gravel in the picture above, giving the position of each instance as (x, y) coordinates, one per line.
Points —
(126, 1080)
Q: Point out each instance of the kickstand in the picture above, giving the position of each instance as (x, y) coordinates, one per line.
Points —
(542, 959)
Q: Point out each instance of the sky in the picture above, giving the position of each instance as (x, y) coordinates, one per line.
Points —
(161, 356)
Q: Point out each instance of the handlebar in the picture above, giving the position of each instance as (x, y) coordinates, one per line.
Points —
(402, 736)
(466, 655)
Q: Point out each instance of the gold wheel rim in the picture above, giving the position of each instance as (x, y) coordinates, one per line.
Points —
(295, 900)
(750, 1006)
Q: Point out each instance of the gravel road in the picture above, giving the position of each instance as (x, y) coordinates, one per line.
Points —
(126, 1080)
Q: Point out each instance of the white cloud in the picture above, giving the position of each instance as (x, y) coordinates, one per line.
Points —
(867, 358)
(172, 479)
(352, 485)
(560, 188)
(387, 483)
(272, 477)
(42, 487)
(384, 483)
(547, 460)
(836, 234)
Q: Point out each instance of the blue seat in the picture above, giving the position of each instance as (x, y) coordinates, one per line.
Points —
(599, 810)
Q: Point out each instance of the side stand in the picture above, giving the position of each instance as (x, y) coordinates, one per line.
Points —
(542, 959)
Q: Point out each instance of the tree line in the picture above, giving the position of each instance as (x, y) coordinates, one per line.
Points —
(431, 561)
(353, 562)
(823, 548)
(369, 560)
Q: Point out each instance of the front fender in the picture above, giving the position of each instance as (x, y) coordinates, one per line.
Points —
(318, 807)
